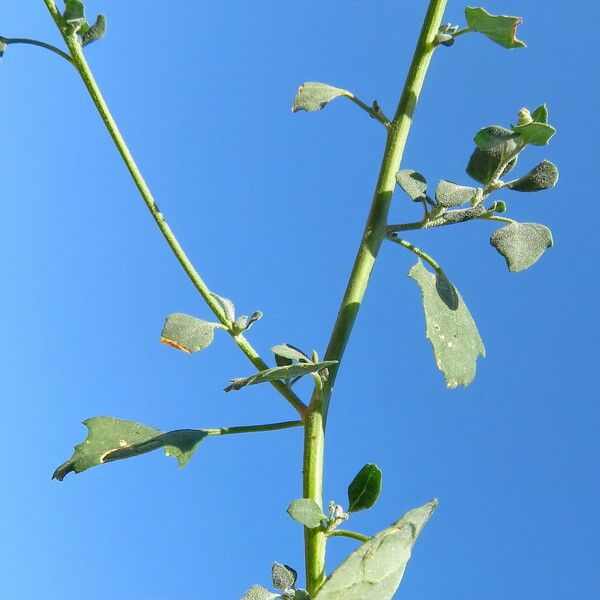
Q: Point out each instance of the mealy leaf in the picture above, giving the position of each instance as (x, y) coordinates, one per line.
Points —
(276, 373)
(226, 305)
(483, 164)
(314, 96)
(501, 29)
(74, 12)
(290, 352)
(258, 592)
(522, 244)
(301, 594)
(534, 133)
(540, 114)
(541, 177)
(374, 571)
(111, 439)
(284, 577)
(450, 194)
(188, 333)
(364, 489)
(494, 135)
(449, 327)
(307, 512)
(95, 32)
(413, 183)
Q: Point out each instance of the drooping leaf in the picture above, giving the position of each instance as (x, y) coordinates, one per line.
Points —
(111, 439)
(450, 194)
(95, 32)
(534, 133)
(290, 353)
(74, 12)
(540, 114)
(501, 29)
(413, 183)
(449, 327)
(226, 305)
(522, 244)
(494, 135)
(313, 96)
(364, 489)
(374, 571)
(188, 333)
(541, 177)
(258, 592)
(284, 577)
(277, 373)
(484, 164)
(307, 512)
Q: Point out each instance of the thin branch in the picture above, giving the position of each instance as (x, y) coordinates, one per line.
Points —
(9, 41)
(253, 428)
(374, 111)
(420, 253)
(349, 534)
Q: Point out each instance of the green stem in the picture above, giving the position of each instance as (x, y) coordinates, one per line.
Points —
(375, 114)
(373, 236)
(349, 534)
(9, 41)
(84, 71)
(253, 428)
(420, 253)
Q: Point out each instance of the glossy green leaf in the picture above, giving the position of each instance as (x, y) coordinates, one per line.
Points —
(226, 306)
(534, 133)
(449, 326)
(374, 571)
(306, 512)
(540, 114)
(290, 353)
(284, 577)
(450, 194)
(258, 592)
(95, 32)
(313, 96)
(278, 373)
(494, 135)
(522, 244)
(501, 29)
(187, 333)
(541, 177)
(412, 183)
(74, 12)
(364, 489)
(111, 439)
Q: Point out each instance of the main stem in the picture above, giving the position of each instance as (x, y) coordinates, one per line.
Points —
(373, 236)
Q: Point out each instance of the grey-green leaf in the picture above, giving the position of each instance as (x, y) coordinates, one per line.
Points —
(313, 96)
(450, 194)
(494, 135)
(277, 373)
(226, 306)
(522, 244)
(258, 592)
(301, 594)
(95, 32)
(74, 12)
(187, 333)
(290, 352)
(111, 439)
(484, 164)
(284, 577)
(534, 133)
(541, 177)
(449, 327)
(364, 489)
(501, 29)
(413, 183)
(540, 114)
(374, 571)
(307, 512)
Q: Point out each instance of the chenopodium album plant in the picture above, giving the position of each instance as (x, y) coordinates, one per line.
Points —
(374, 571)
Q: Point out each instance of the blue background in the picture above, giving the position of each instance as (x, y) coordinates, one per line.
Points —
(270, 206)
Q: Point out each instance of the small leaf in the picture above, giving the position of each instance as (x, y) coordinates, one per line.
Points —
(501, 29)
(313, 96)
(258, 592)
(3, 47)
(290, 352)
(450, 194)
(541, 177)
(534, 133)
(449, 326)
(254, 317)
(112, 439)
(284, 577)
(95, 32)
(226, 306)
(306, 512)
(499, 206)
(74, 12)
(277, 373)
(494, 135)
(522, 244)
(540, 114)
(374, 571)
(187, 333)
(483, 164)
(413, 183)
(364, 489)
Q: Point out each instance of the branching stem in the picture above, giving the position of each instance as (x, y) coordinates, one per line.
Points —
(420, 253)
(253, 428)
(349, 534)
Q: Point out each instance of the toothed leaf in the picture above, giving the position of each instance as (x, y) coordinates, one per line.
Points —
(313, 96)
(534, 133)
(187, 333)
(522, 244)
(501, 29)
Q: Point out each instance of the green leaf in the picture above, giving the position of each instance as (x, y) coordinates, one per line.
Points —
(111, 439)
(277, 373)
(188, 333)
(522, 244)
(540, 114)
(449, 326)
(3, 47)
(301, 594)
(374, 571)
(313, 96)
(534, 133)
(226, 306)
(95, 32)
(284, 577)
(483, 164)
(258, 592)
(499, 206)
(494, 135)
(413, 183)
(307, 512)
(74, 12)
(450, 194)
(501, 29)
(541, 177)
(290, 353)
(364, 489)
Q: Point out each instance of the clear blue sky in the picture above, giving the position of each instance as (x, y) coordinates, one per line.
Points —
(270, 206)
